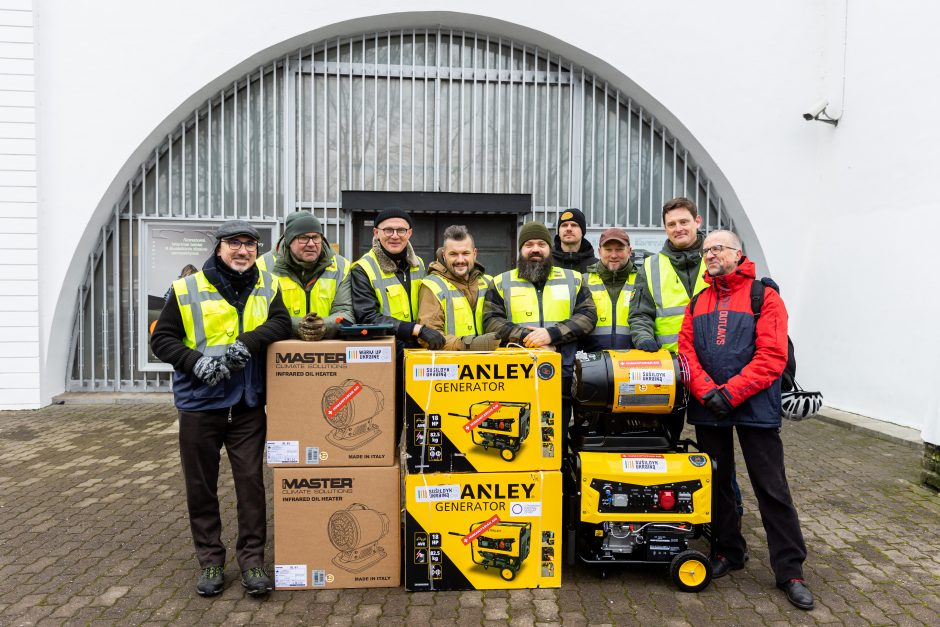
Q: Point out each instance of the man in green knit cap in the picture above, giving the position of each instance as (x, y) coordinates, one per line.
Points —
(312, 277)
(540, 305)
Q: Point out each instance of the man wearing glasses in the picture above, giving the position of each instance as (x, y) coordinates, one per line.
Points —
(735, 363)
(214, 330)
(311, 277)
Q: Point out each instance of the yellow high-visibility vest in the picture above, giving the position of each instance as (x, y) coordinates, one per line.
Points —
(319, 299)
(459, 318)
(670, 298)
(522, 301)
(610, 320)
(394, 300)
(210, 322)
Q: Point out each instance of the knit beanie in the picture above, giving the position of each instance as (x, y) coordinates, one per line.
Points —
(573, 215)
(534, 230)
(301, 222)
(393, 212)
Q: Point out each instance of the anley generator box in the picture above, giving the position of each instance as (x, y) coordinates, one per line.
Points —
(483, 531)
(336, 527)
(331, 403)
(482, 412)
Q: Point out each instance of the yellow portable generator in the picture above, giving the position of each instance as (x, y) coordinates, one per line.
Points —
(501, 425)
(500, 545)
(636, 493)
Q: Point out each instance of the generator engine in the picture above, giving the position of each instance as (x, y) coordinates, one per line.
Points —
(635, 492)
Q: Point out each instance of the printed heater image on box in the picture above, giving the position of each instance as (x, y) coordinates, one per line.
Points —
(349, 409)
(356, 532)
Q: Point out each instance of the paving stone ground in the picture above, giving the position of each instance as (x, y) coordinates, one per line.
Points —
(93, 531)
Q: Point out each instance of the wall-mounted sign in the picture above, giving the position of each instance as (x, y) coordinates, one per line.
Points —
(169, 250)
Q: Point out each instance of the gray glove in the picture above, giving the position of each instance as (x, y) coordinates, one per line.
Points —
(485, 342)
(312, 328)
(236, 357)
(210, 370)
(650, 346)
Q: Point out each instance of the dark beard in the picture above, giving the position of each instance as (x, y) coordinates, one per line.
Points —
(534, 271)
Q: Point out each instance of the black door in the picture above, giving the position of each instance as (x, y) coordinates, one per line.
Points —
(493, 228)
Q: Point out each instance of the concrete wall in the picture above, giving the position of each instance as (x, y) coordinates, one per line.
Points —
(731, 78)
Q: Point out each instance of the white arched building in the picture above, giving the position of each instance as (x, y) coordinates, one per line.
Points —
(119, 119)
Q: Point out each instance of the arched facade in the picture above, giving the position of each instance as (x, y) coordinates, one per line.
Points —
(407, 110)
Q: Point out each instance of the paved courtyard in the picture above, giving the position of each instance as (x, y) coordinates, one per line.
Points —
(93, 530)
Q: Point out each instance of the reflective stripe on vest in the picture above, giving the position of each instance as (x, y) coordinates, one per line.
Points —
(319, 299)
(389, 290)
(522, 302)
(459, 319)
(210, 322)
(669, 297)
(266, 261)
(610, 322)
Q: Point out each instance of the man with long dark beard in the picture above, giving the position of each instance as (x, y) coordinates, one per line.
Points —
(539, 305)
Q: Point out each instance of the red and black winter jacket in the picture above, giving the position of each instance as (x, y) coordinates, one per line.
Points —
(725, 350)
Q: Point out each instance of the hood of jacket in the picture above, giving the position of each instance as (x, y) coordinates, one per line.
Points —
(584, 253)
(389, 265)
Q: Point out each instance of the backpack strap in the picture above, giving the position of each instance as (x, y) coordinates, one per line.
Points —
(693, 301)
(757, 298)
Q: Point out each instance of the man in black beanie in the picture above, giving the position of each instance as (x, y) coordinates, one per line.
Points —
(550, 306)
(571, 250)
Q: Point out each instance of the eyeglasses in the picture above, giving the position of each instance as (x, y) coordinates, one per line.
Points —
(717, 249)
(236, 244)
(400, 232)
(316, 238)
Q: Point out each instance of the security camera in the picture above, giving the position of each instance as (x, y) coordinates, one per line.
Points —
(816, 110)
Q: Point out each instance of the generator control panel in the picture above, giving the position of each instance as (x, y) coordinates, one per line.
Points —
(628, 498)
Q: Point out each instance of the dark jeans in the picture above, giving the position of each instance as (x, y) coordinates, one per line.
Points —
(202, 435)
(763, 456)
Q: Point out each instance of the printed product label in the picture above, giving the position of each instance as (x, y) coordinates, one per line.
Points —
(290, 575)
(659, 377)
(283, 451)
(431, 493)
(643, 463)
(427, 372)
(313, 455)
(369, 354)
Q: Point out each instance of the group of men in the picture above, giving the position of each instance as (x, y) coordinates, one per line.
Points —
(217, 324)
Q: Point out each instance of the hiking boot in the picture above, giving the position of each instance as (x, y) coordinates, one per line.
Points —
(256, 581)
(211, 581)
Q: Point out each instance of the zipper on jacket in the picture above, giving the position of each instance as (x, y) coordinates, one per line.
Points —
(538, 296)
(230, 415)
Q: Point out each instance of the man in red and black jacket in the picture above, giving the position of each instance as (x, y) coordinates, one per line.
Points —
(735, 362)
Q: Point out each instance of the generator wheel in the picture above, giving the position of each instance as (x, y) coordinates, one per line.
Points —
(507, 573)
(508, 454)
(690, 571)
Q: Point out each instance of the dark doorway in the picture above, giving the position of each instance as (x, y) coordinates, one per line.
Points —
(490, 218)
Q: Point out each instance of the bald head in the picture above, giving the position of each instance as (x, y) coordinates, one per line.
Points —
(722, 252)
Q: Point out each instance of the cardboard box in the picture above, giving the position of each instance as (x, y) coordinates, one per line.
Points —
(482, 412)
(337, 528)
(483, 531)
(331, 403)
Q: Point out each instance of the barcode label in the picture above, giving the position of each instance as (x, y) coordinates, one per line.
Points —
(318, 578)
(313, 454)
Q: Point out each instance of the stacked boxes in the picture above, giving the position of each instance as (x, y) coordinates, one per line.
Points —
(331, 444)
(483, 490)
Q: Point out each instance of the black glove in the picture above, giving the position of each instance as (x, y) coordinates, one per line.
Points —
(210, 370)
(236, 356)
(650, 346)
(485, 342)
(432, 337)
(312, 328)
(717, 403)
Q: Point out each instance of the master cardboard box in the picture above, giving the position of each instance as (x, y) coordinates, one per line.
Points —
(336, 527)
(482, 412)
(331, 403)
(483, 531)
